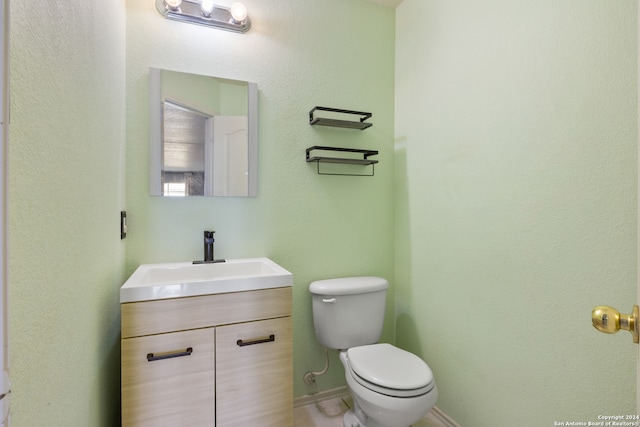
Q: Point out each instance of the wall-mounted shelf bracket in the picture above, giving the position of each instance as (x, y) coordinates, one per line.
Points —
(340, 122)
(364, 161)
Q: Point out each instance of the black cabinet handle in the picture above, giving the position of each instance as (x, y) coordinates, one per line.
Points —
(152, 357)
(241, 343)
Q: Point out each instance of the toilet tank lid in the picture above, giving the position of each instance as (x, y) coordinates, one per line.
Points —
(348, 285)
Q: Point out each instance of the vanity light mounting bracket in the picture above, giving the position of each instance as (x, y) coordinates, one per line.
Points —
(191, 11)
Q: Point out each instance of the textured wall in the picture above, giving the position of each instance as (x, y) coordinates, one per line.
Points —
(516, 165)
(66, 190)
(316, 226)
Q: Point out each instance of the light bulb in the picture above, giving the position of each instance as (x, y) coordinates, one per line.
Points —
(207, 7)
(238, 12)
(173, 4)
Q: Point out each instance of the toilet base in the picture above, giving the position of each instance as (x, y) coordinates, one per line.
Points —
(350, 420)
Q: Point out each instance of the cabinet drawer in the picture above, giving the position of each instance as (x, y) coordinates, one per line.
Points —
(169, 379)
(169, 315)
(254, 384)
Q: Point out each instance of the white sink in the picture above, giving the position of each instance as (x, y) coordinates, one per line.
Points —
(184, 279)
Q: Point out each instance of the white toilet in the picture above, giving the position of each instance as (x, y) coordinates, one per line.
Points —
(390, 387)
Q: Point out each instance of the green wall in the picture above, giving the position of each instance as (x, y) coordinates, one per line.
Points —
(66, 190)
(505, 207)
(516, 153)
(315, 226)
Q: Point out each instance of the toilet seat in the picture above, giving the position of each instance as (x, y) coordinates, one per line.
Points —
(389, 370)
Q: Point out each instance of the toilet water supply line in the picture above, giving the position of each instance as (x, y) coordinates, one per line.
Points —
(310, 377)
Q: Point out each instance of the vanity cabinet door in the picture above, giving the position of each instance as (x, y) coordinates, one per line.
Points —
(254, 374)
(168, 379)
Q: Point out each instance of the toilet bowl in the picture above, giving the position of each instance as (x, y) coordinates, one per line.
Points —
(390, 387)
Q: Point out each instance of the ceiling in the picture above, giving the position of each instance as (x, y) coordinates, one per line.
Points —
(388, 3)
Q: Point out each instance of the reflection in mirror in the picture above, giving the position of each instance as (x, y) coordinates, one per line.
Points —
(203, 133)
(183, 150)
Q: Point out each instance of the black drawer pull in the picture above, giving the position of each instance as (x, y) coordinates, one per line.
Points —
(151, 357)
(256, 341)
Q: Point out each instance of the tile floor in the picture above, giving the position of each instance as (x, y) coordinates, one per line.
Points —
(328, 413)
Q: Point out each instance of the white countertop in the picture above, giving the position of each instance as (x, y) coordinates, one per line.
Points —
(184, 279)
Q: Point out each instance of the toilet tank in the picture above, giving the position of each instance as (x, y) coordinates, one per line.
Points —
(348, 312)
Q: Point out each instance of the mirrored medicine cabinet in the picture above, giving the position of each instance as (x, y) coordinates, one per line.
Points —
(203, 135)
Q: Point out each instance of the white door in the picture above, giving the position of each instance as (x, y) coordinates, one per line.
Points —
(608, 319)
(638, 227)
(230, 156)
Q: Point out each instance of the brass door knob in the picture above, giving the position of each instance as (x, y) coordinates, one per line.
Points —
(609, 321)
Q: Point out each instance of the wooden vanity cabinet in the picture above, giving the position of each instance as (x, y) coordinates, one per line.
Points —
(254, 381)
(214, 360)
(169, 391)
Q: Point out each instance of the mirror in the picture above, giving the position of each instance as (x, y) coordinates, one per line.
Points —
(203, 135)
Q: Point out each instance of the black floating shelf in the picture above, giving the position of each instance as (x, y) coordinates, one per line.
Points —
(364, 161)
(323, 121)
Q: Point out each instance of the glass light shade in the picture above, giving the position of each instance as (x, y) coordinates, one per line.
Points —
(207, 7)
(173, 4)
(238, 12)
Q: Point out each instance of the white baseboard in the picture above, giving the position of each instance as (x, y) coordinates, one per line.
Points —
(319, 397)
(443, 418)
(342, 392)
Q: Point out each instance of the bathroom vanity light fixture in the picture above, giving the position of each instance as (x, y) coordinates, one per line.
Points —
(204, 12)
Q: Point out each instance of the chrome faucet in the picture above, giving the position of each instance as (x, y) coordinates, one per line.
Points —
(208, 249)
